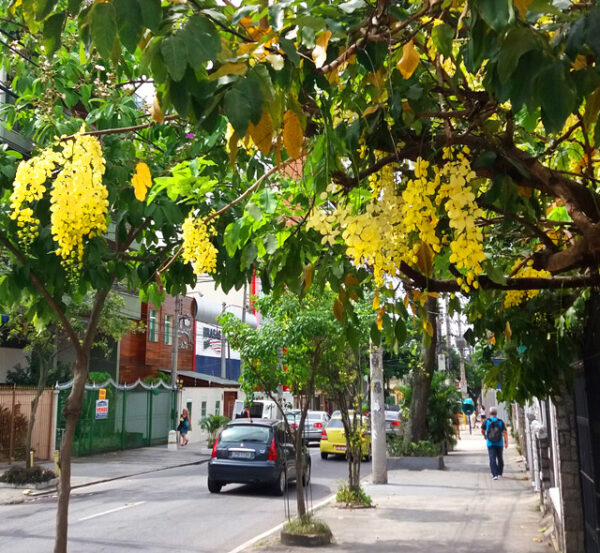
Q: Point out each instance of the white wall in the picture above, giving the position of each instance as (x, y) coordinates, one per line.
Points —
(196, 396)
(9, 357)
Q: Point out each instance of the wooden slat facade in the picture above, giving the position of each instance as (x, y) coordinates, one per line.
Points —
(139, 357)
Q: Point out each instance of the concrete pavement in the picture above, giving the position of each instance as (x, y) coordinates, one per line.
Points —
(457, 510)
(460, 509)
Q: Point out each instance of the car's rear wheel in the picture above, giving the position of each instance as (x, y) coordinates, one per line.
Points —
(323, 455)
(306, 475)
(280, 484)
(214, 486)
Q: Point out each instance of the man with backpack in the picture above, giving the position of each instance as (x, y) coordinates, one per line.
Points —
(494, 432)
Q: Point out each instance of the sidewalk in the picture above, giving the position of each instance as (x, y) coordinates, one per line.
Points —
(92, 469)
(457, 510)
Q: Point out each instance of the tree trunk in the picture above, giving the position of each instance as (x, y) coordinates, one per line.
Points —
(378, 439)
(44, 368)
(300, 503)
(71, 411)
(421, 381)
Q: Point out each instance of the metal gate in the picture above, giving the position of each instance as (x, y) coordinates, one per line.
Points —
(115, 417)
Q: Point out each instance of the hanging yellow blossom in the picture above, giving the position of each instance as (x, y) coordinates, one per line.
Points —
(197, 247)
(141, 181)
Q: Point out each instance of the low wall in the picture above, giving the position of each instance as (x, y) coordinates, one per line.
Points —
(416, 463)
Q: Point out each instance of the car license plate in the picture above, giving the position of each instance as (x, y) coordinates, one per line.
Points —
(241, 454)
(340, 448)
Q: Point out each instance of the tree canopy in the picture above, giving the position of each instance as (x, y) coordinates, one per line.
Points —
(423, 146)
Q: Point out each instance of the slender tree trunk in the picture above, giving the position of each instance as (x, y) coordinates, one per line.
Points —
(378, 439)
(421, 381)
(44, 368)
(71, 411)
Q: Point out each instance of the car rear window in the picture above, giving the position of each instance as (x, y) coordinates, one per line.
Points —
(245, 433)
(313, 416)
(335, 423)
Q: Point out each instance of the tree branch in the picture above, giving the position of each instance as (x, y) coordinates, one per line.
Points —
(420, 281)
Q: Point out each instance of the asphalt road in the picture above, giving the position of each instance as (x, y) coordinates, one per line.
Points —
(165, 511)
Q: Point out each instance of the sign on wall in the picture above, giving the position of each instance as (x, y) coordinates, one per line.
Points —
(101, 408)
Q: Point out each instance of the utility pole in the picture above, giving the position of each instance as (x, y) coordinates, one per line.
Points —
(460, 344)
(175, 340)
(378, 441)
(223, 357)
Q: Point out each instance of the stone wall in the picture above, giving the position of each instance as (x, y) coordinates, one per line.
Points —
(572, 538)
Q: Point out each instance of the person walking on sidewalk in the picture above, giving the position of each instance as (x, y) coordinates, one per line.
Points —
(494, 431)
(184, 427)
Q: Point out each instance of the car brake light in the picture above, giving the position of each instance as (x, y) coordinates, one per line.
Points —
(318, 425)
(272, 456)
(396, 423)
(324, 434)
(214, 449)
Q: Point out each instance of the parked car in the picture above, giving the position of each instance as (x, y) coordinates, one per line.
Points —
(255, 451)
(333, 438)
(393, 423)
(314, 424)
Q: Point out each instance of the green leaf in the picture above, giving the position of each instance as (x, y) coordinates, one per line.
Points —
(400, 331)
(232, 234)
(352, 5)
(494, 273)
(270, 242)
(43, 8)
(498, 14)
(516, 43)
(268, 201)
(254, 211)
(203, 41)
(174, 51)
(557, 96)
(103, 28)
(442, 36)
(243, 103)
(74, 6)
(52, 33)
(289, 50)
(261, 74)
(129, 22)
(375, 334)
(248, 256)
(151, 14)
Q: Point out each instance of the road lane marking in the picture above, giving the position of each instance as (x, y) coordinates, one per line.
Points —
(112, 510)
(262, 536)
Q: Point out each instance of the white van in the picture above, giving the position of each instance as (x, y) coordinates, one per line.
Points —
(259, 409)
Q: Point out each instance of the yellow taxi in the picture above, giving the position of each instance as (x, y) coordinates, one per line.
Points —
(333, 438)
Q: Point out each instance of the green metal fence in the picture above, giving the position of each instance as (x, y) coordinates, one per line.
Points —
(117, 416)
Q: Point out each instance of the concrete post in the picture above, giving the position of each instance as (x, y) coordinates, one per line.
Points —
(378, 442)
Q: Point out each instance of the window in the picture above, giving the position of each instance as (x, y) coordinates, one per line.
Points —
(188, 405)
(218, 407)
(203, 409)
(169, 330)
(152, 327)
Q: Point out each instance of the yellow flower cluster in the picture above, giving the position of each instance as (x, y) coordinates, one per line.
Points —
(197, 247)
(394, 227)
(467, 245)
(29, 186)
(419, 213)
(514, 298)
(78, 199)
